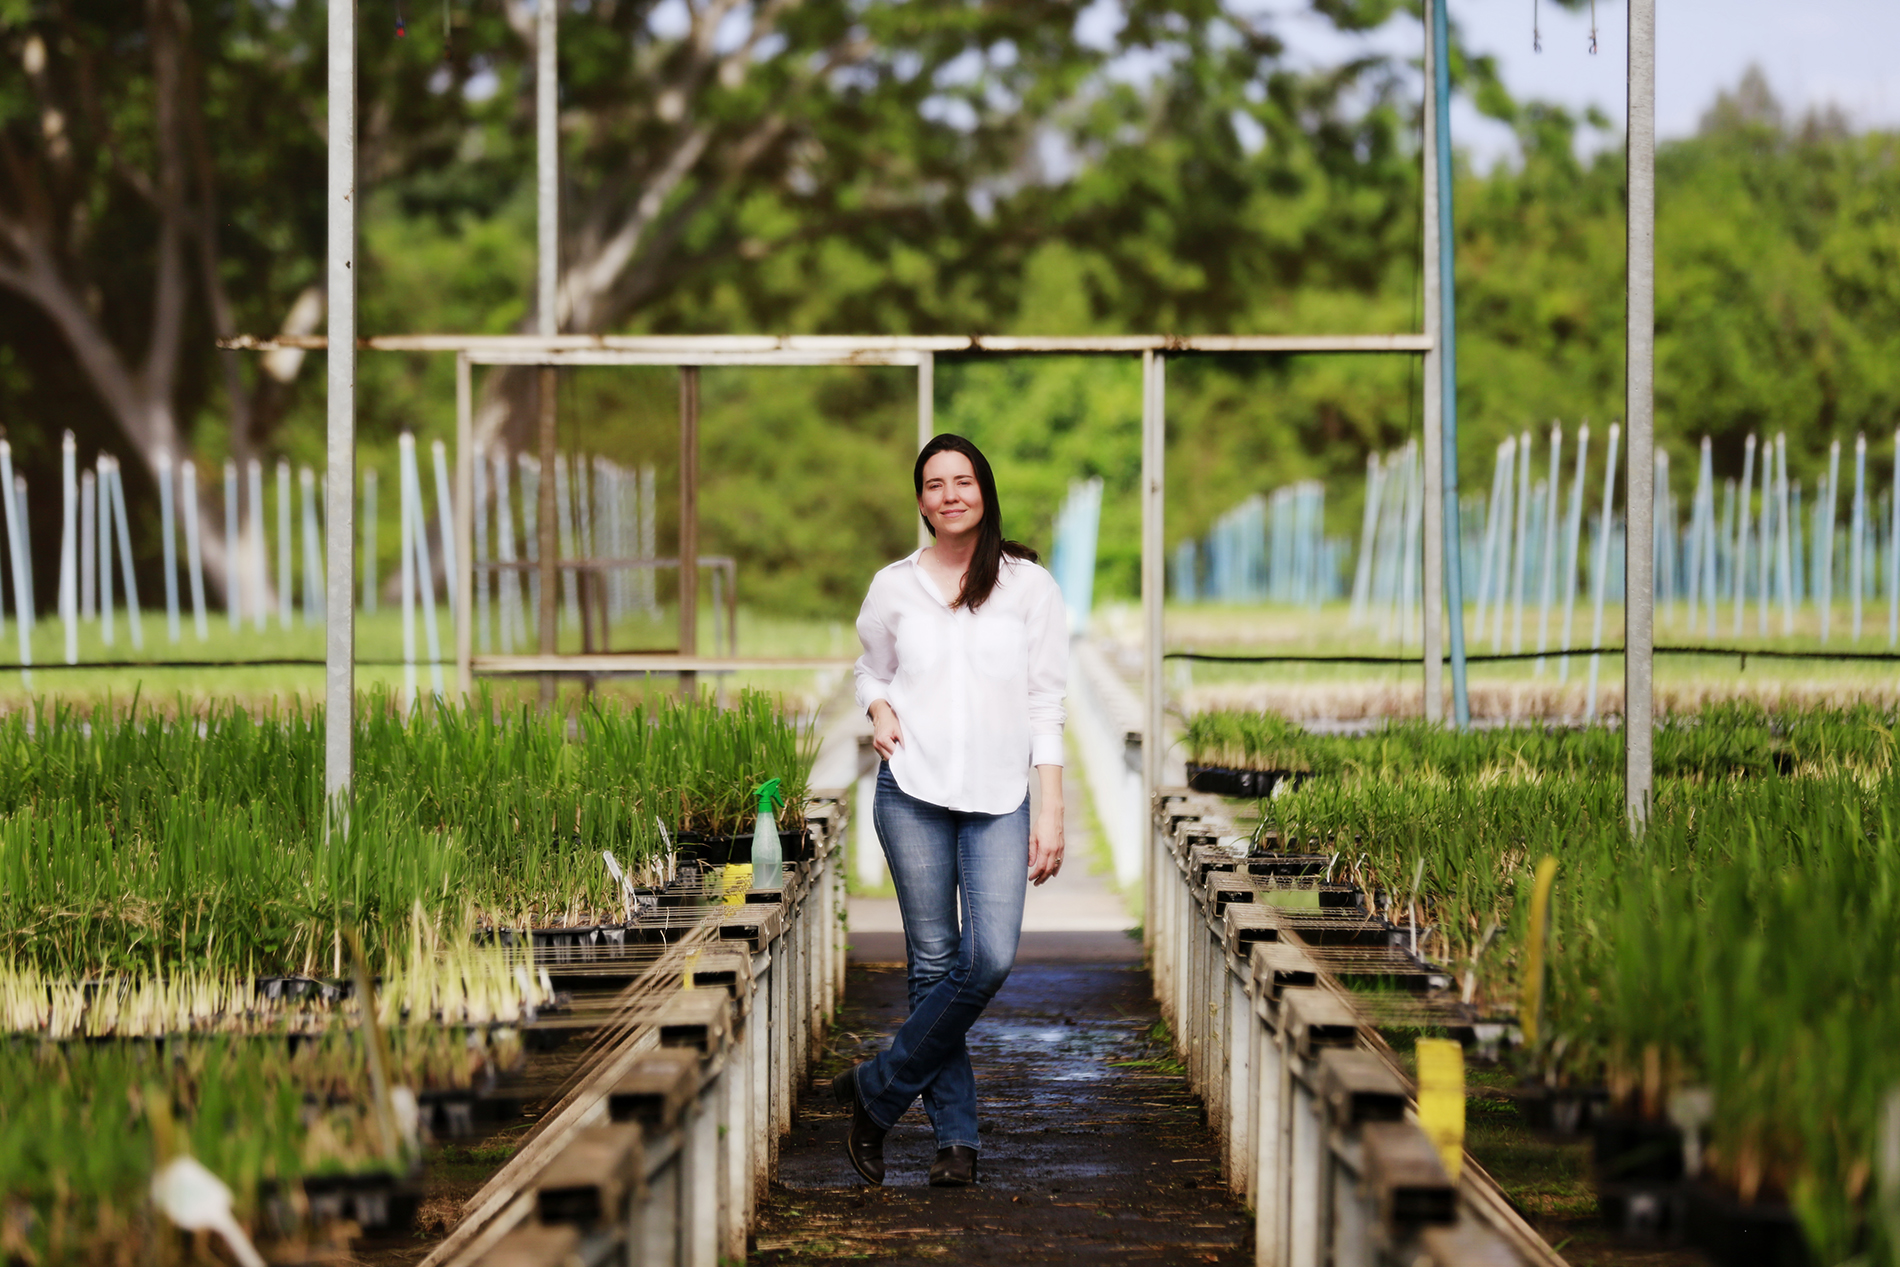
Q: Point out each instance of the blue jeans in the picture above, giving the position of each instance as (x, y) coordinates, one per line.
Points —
(945, 864)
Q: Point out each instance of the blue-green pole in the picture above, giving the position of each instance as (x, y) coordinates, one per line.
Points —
(1448, 363)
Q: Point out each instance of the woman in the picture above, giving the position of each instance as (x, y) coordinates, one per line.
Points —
(966, 648)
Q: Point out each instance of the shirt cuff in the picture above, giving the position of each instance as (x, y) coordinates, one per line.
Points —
(1045, 750)
(870, 691)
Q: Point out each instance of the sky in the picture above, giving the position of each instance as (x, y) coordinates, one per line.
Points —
(1814, 52)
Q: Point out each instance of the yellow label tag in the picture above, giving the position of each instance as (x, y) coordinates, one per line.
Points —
(737, 879)
(1441, 1100)
(686, 977)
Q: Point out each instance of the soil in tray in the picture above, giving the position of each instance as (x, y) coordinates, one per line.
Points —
(1549, 1181)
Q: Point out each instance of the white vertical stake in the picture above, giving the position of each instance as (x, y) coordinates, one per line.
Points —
(234, 557)
(1893, 552)
(194, 549)
(1522, 560)
(168, 539)
(1362, 570)
(425, 568)
(1600, 578)
(445, 517)
(1547, 585)
(1784, 543)
(1153, 573)
(88, 547)
(1744, 492)
(1767, 542)
(312, 548)
(1507, 517)
(509, 590)
(484, 579)
(369, 539)
(1857, 533)
(133, 619)
(260, 587)
(1574, 549)
(285, 583)
(406, 449)
(108, 613)
(564, 540)
(68, 547)
(649, 540)
(1825, 543)
(16, 550)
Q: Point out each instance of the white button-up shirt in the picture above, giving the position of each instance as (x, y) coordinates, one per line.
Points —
(978, 694)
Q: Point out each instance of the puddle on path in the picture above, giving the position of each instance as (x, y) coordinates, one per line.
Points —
(1094, 1150)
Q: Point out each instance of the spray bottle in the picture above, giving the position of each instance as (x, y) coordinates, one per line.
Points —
(768, 858)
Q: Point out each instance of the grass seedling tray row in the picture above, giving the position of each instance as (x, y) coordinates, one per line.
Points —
(1717, 996)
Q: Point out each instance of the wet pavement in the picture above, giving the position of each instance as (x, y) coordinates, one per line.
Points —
(1094, 1150)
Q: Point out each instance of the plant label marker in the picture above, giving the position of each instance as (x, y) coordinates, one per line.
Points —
(1441, 1100)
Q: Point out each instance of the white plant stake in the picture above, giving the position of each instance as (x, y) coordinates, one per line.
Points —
(286, 587)
(133, 620)
(168, 537)
(424, 569)
(509, 590)
(1764, 537)
(483, 578)
(406, 447)
(194, 550)
(88, 547)
(196, 1200)
(445, 519)
(1824, 552)
(1893, 559)
(233, 552)
(1573, 535)
(1547, 583)
(1784, 558)
(107, 613)
(260, 586)
(1600, 581)
(369, 539)
(68, 551)
(1744, 493)
(16, 549)
(1521, 534)
(1857, 533)
(312, 549)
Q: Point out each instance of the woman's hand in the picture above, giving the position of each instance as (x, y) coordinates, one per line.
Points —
(886, 734)
(1045, 838)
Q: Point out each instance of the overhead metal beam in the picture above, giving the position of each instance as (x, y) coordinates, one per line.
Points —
(684, 347)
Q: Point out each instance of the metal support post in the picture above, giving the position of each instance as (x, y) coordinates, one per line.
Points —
(339, 647)
(689, 523)
(1153, 578)
(464, 528)
(1445, 349)
(1435, 539)
(1639, 614)
(547, 203)
(926, 420)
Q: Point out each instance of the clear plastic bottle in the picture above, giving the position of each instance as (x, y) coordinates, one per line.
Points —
(768, 858)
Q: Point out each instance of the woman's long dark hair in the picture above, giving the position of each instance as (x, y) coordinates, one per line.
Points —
(991, 545)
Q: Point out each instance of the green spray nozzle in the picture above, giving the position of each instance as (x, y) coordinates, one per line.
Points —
(770, 798)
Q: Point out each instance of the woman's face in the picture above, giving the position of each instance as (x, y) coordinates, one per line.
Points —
(951, 500)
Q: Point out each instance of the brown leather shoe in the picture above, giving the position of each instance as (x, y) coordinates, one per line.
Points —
(865, 1144)
(955, 1167)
